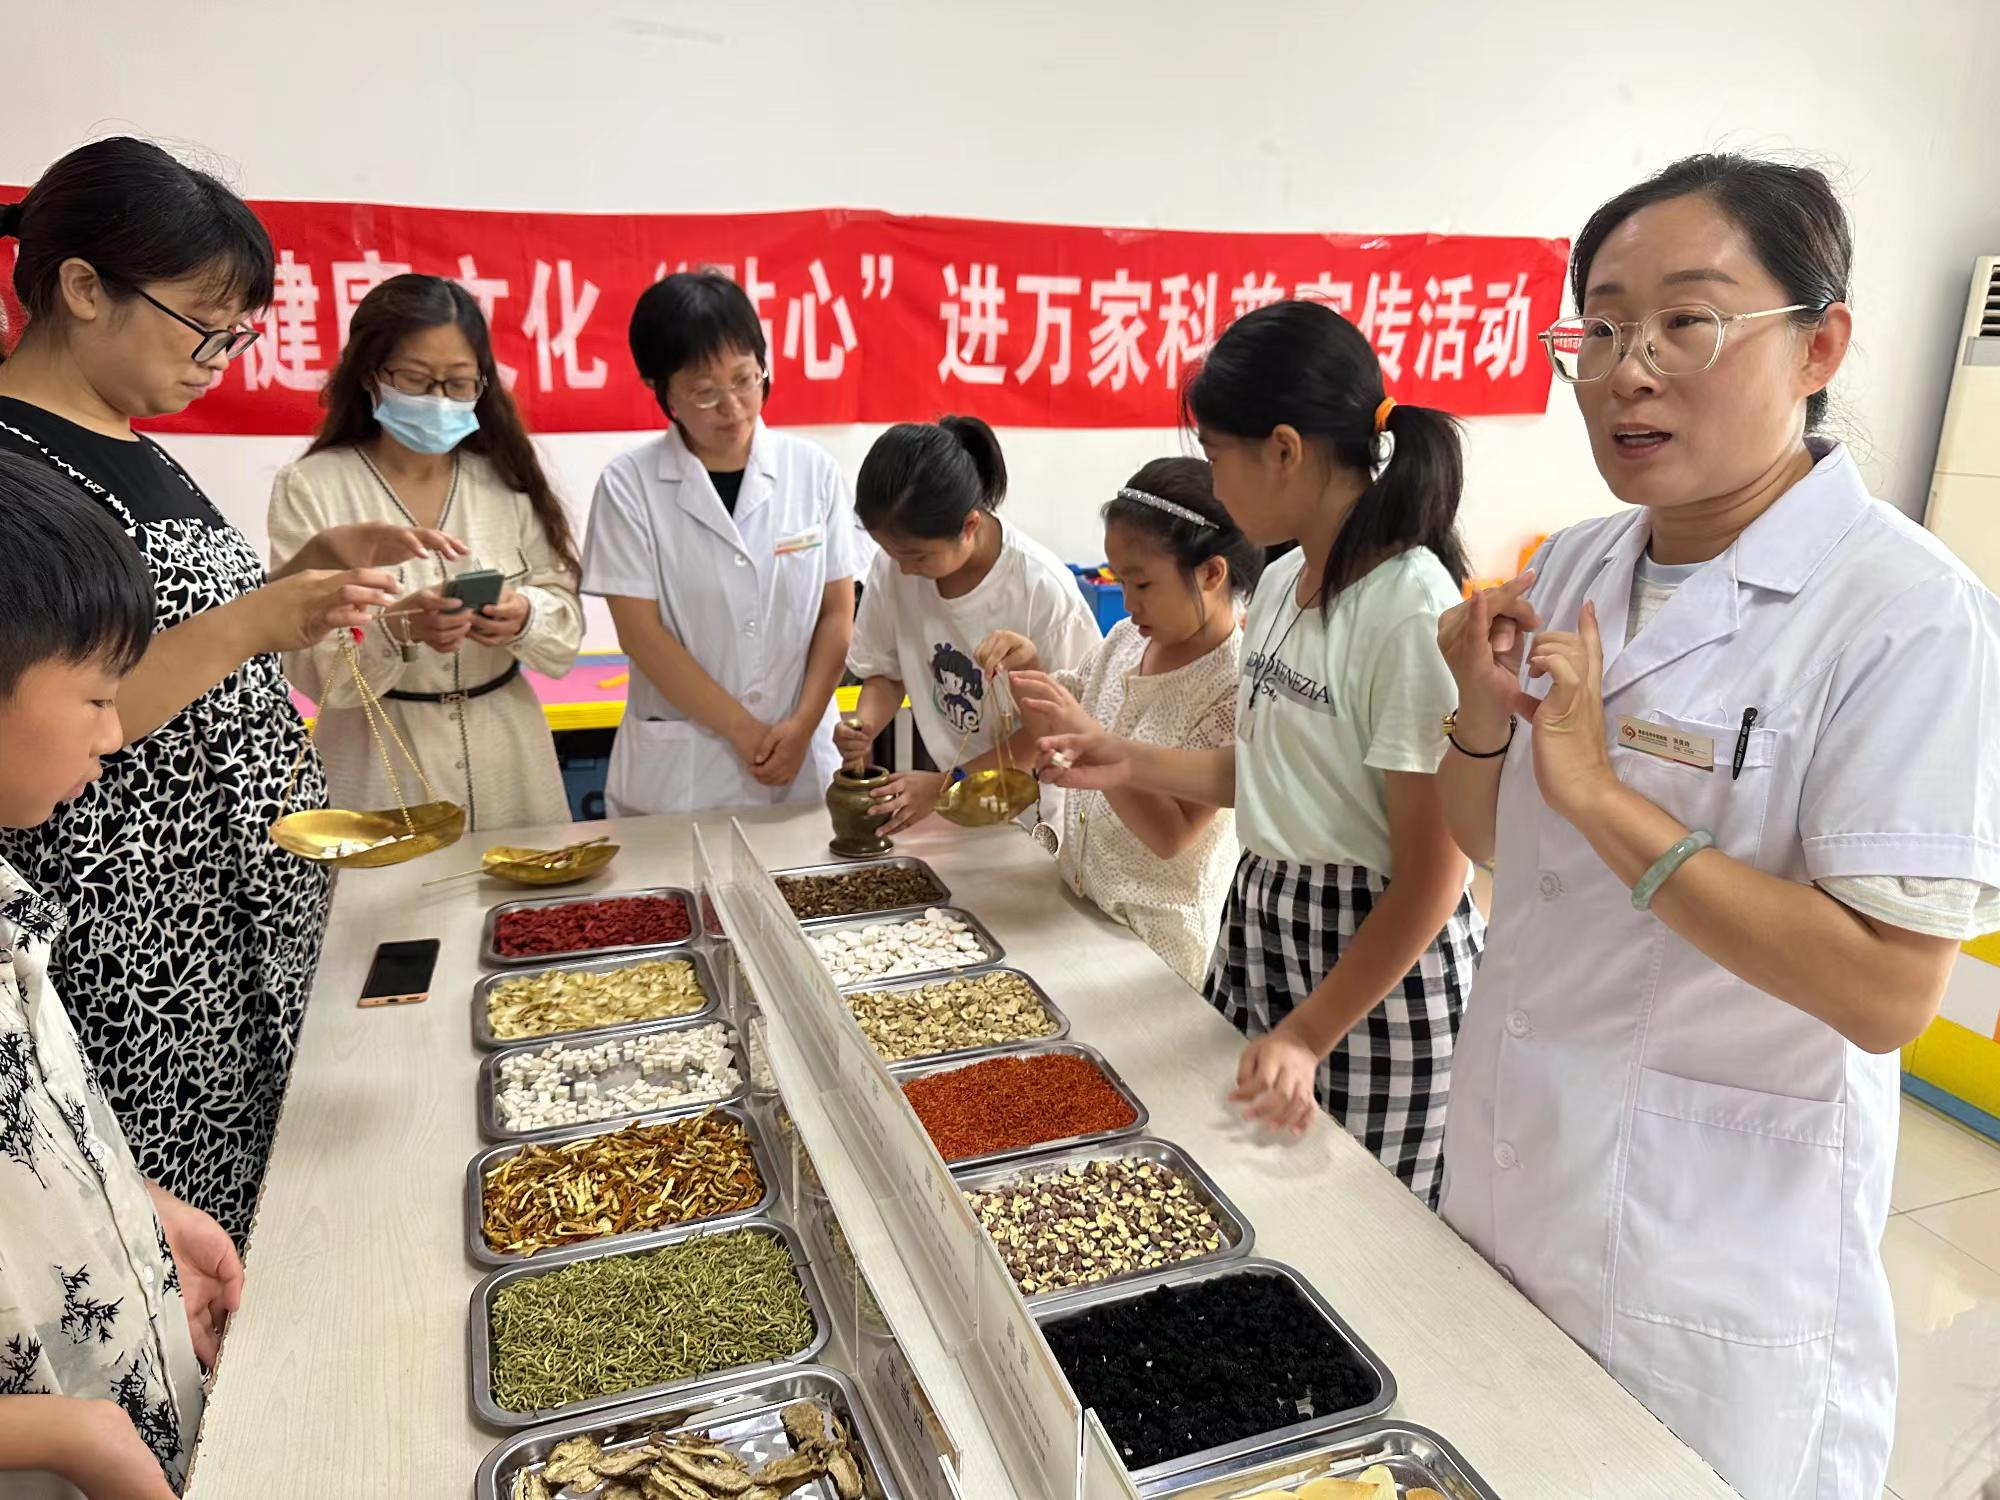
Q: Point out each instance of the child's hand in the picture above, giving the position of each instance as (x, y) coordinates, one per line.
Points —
(211, 1272)
(908, 798)
(853, 739)
(1274, 1083)
(1006, 651)
(1050, 706)
(1092, 761)
(102, 1454)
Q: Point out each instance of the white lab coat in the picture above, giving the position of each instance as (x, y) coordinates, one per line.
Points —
(1691, 1176)
(742, 593)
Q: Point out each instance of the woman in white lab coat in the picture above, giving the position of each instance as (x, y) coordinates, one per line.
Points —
(1742, 801)
(724, 551)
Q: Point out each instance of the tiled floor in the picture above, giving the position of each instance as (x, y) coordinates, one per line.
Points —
(1943, 1254)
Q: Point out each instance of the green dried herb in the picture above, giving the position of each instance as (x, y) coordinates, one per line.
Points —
(625, 1322)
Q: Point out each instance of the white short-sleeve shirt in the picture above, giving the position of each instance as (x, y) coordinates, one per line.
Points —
(906, 630)
(1332, 701)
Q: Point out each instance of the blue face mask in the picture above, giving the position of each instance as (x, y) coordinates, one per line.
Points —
(425, 424)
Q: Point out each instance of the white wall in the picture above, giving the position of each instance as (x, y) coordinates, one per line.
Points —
(1427, 114)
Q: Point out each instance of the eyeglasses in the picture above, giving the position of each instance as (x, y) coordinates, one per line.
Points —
(423, 383)
(743, 387)
(1673, 341)
(214, 341)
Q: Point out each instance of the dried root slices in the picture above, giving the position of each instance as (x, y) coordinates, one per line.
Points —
(687, 1466)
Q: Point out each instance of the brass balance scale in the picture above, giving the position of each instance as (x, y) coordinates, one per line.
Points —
(981, 799)
(371, 840)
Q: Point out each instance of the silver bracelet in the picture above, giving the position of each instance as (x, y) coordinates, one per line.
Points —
(1664, 867)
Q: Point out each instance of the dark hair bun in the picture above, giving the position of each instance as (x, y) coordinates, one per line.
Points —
(982, 446)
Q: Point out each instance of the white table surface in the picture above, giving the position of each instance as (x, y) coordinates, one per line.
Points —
(345, 1370)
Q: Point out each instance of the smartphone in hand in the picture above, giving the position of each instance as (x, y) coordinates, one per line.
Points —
(476, 590)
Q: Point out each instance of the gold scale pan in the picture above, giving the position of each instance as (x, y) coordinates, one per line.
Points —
(369, 840)
(989, 798)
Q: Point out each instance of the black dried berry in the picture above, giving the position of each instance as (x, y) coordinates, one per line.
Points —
(1185, 1368)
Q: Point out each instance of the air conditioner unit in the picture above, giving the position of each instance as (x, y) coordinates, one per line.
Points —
(1964, 510)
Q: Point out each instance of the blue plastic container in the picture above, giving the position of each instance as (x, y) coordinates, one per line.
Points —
(1106, 600)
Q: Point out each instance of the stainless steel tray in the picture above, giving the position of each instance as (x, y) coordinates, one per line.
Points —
(740, 1414)
(1244, 1452)
(1415, 1455)
(969, 1054)
(940, 892)
(492, 1156)
(493, 960)
(1237, 1235)
(993, 955)
(479, 1340)
(482, 1025)
(906, 1073)
(491, 1128)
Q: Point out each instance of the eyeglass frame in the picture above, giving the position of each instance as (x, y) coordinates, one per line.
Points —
(1724, 322)
(234, 340)
(434, 385)
(760, 379)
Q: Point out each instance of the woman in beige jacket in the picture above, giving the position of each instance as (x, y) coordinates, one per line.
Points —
(419, 429)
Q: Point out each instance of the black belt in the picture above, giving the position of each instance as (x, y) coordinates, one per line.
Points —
(513, 671)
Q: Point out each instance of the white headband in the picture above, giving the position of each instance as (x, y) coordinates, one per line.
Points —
(1179, 512)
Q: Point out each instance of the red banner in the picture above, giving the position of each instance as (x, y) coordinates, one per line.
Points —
(872, 317)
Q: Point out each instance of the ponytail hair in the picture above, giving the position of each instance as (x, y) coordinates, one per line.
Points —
(922, 479)
(1302, 365)
(1187, 484)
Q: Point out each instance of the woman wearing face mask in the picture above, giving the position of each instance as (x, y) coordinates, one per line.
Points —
(725, 551)
(420, 431)
(192, 938)
(1731, 751)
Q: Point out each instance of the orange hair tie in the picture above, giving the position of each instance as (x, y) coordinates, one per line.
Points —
(1382, 413)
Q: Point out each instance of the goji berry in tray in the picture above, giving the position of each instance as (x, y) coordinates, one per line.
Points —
(581, 926)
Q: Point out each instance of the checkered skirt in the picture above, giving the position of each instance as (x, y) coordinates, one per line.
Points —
(1388, 1080)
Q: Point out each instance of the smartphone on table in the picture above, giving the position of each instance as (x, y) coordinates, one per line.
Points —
(401, 973)
(478, 589)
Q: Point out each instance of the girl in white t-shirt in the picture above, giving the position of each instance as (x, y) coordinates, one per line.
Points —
(951, 573)
(1167, 675)
(1350, 940)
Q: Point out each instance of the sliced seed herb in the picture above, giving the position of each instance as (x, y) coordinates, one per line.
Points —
(1087, 1222)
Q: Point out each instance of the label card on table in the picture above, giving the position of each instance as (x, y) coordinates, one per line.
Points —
(1105, 1476)
(1023, 1394)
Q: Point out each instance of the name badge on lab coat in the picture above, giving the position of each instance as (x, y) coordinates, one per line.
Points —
(1696, 750)
(805, 541)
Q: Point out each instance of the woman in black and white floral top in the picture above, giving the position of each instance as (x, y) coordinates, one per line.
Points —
(193, 938)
